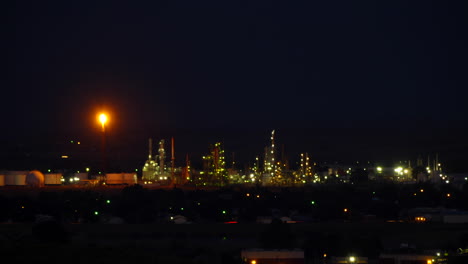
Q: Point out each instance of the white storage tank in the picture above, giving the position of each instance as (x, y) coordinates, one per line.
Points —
(114, 178)
(16, 178)
(53, 179)
(129, 178)
(35, 178)
(121, 178)
(2, 180)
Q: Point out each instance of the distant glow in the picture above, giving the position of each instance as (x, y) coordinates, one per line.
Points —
(429, 261)
(448, 195)
(312, 202)
(422, 190)
(352, 259)
(324, 255)
(224, 212)
(96, 212)
(248, 194)
(87, 169)
(103, 119)
(64, 157)
(447, 181)
(345, 210)
(108, 201)
(253, 262)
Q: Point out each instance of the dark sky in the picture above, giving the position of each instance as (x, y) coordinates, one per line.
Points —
(342, 80)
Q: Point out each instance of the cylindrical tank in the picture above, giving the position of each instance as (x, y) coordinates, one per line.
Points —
(2, 180)
(114, 178)
(121, 178)
(15, 178)
(35, 179)
(129, 178)
(53, 179)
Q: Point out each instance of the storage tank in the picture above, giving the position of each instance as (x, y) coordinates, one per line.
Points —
(114, 178)
(121, 178)
(129, 178)
(2, 180)
(16, 178)
(53, 179)
(35, 178)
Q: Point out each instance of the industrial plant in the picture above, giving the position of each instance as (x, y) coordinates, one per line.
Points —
(271, 169)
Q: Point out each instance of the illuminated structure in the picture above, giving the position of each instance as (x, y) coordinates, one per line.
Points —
(155, 168)
(269, 164)
(214, 166)
(150, 168)
(305, 169)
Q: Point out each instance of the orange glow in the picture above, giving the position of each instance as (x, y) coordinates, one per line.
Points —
(103, 119)
(345, 210)
(448, 195)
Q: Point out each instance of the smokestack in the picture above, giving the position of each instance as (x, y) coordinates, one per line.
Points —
(172, 157)
(150, 148)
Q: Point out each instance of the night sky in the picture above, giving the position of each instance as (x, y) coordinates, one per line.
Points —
(342, 80)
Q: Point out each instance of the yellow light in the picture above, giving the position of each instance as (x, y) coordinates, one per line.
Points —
(352, 259)
(429, 261)
(325, 255)
(103, 120)
(422, 190)
(345, 210)
(448, 194)
(253, 262)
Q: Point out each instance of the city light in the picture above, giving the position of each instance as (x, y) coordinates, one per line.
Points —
(352, 259)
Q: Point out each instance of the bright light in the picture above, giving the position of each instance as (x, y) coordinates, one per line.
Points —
(352, 259)
(108, 201)
(379, 169)
(448, 194)
(96, 212)
(345, 210)
(253, 262)
(422, 190)
(103, 120)
(429, 261)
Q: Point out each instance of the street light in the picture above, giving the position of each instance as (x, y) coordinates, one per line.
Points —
(352, 259)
